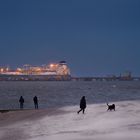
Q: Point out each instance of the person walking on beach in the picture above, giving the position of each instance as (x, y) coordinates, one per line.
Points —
(35, 99)
(21, 101)
(82, 105)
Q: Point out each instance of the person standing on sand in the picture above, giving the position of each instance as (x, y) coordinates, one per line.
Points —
(21, 101)
(35, 99)
(82, 105)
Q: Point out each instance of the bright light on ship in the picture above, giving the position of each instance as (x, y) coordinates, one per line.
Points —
(1, 70)
(38, 69)
(52, 65)
(19, 69)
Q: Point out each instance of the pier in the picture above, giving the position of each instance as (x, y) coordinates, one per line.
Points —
(105, 79)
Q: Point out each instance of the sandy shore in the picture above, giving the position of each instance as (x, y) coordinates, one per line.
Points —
(9, 117)
(66, 124)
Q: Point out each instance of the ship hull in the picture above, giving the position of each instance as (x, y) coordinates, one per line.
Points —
(35, 77)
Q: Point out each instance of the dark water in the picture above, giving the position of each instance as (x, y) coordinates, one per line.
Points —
(57, 94)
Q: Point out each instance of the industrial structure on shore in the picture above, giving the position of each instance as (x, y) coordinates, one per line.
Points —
(126, 76)
(54, 71)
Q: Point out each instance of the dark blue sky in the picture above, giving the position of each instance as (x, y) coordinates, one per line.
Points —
(95, 37)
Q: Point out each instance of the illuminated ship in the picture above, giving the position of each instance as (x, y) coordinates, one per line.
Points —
(53, 71)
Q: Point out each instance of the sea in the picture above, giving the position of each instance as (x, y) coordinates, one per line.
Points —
(66, 93)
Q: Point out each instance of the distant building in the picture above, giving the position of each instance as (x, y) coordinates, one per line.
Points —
(126, 76)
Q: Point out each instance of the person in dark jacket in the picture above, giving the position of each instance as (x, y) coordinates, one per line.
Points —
(35, 99)
(21, 101)
(82, 105)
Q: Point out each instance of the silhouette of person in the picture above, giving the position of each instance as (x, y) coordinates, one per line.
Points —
(21, 101)
(35, 99)
(82, 105)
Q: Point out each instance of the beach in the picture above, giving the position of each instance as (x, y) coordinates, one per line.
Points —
(64, 123)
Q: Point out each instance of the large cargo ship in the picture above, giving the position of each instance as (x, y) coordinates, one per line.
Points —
(52, 72)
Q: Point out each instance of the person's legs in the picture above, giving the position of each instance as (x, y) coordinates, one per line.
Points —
(83, 111)
(79, 111)
(37, 106)
(21, 105)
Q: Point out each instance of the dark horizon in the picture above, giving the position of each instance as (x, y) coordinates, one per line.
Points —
(96, 38)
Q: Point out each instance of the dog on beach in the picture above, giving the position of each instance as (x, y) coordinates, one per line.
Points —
(111, 107)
